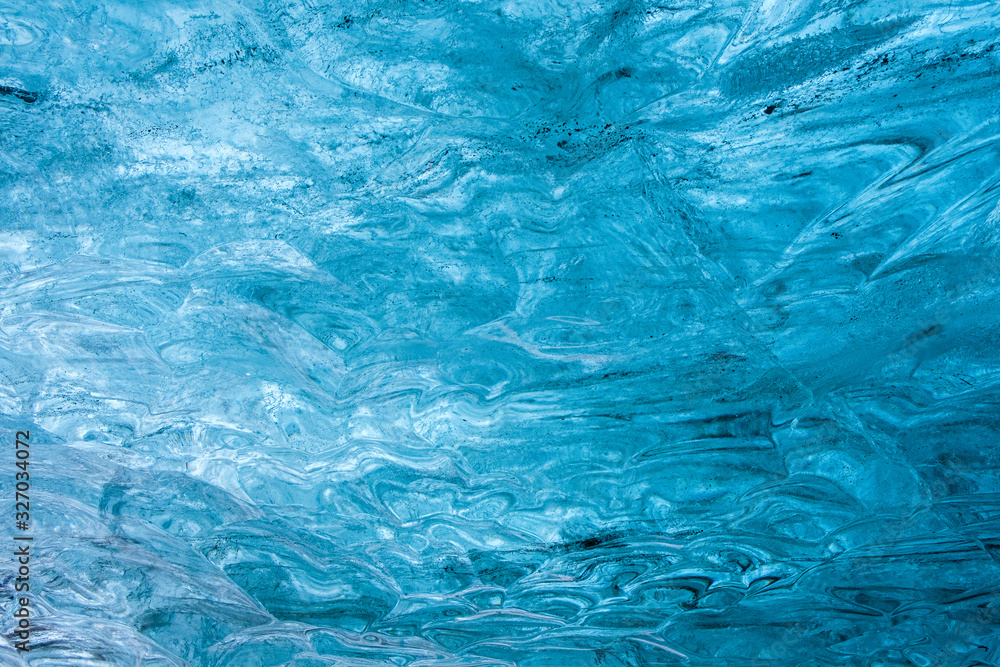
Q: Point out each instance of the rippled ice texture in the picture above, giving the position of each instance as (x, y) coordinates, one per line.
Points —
(505, 332)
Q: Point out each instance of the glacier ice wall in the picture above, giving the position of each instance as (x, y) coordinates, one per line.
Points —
(496, 332)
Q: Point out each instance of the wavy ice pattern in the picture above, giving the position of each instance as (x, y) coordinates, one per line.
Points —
(439, 332)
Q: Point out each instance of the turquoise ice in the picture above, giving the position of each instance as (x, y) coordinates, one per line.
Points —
(537, 332)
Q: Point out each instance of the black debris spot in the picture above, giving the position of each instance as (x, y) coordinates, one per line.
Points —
(26, 96)
(593, 542)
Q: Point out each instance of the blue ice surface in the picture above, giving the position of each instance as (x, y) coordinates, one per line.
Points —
(439, 333)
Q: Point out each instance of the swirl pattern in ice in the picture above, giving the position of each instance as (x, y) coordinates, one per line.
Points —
(535, 332)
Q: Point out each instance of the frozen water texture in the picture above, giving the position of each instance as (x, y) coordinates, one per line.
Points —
(431, 332)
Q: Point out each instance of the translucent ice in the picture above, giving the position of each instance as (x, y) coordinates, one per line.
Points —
(443, 332)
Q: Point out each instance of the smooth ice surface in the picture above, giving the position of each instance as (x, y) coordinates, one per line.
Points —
(429, 332)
